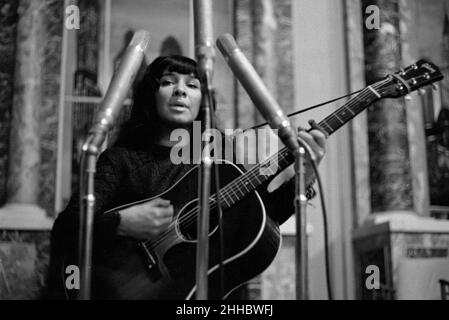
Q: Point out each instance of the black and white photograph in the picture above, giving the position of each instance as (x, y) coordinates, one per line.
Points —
(224, 154)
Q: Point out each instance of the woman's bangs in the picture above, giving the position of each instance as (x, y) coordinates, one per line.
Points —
(182, 67)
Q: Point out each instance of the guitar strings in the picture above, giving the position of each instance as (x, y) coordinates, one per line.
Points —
(226, 191)
(190, 217)
(231, 186)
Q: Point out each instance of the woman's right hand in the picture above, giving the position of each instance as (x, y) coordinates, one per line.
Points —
(146, 220)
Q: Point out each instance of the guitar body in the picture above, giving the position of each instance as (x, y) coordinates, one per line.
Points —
(168, 270)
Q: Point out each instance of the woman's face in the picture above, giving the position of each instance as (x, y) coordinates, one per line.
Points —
(178, 98)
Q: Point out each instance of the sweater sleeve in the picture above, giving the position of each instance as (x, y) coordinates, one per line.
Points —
(280, 202)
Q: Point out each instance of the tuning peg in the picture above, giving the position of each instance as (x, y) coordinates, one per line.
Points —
(422, 91)
(434, 87)
(408, 97)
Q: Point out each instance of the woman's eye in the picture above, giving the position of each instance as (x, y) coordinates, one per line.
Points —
(193, 85)
(166, 82)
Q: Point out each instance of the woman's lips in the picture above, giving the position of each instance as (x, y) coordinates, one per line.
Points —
(178, 104)
(178, 107)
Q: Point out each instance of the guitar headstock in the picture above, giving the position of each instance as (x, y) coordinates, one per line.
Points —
(418, 75)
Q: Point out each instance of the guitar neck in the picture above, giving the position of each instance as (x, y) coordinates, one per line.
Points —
(266, 170)
(349, 110)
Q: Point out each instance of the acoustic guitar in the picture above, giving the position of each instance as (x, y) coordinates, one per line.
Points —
(164, 267)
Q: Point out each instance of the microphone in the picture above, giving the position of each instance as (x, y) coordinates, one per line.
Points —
(204, 49)
(257, 91)
(121, 83)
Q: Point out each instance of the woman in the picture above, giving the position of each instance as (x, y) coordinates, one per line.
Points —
(138, 166)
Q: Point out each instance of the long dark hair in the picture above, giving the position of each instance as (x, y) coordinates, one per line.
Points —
(140, 131)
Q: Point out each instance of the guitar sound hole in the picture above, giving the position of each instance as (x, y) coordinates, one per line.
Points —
(187, 221)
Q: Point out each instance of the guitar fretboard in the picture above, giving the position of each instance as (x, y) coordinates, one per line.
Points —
(266, 170)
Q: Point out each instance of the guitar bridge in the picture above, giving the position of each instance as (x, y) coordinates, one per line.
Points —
(150, 262)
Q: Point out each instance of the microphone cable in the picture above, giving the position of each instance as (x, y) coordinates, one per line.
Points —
(323, 211)
(325, 226)
(320, 188)
(320, 191)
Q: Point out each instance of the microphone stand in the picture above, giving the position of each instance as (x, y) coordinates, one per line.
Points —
(204, 53)
(105, 119)
(202, 252)
(87, 207)
(301, 248)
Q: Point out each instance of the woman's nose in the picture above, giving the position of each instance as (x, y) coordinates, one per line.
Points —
(180, 90)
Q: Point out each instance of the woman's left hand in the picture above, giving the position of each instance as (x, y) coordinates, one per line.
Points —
(316, 140)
